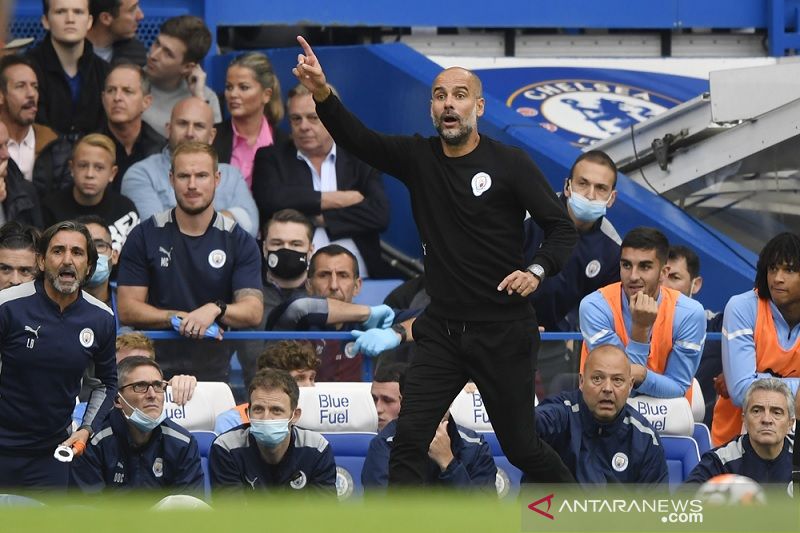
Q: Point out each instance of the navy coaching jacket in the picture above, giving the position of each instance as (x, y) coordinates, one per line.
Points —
(235, 463)
(626, 450)
(472, 464)
(170, 459)
(738, 457)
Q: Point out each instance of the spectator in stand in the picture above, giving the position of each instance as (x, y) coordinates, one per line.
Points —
(194, 265)
(253, 97)
(173, 66)
(298, 358)
(287, 250)
(93, 169)
(19, 102)
(147, 182)
(18, 243)
(113, 32)
(70, 75)
(126, 96)
(333, 281)
(98, 285)
(18, 198)
(342, 195)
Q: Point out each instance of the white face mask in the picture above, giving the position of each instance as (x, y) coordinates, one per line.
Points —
(584, 209)
(143, 422)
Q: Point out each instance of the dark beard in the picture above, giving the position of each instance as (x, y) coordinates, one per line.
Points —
(456, 140)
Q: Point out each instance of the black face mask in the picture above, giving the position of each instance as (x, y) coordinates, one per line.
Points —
(286, 264)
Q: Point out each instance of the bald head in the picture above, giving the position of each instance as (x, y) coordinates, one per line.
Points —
(455, 74)
(608, 356)
(606, 382)
(192, 120)
(456, 104)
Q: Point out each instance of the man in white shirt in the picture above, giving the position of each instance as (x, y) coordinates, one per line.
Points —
(19, 101)
(342, 195)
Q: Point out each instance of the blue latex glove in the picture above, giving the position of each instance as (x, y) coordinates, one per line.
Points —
(212, 331)
(380, 316)
(374, 341)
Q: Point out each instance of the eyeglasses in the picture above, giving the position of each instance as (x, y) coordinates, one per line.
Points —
(102, 246)
(141, 387)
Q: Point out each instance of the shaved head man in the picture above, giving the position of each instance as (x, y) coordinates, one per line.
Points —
(456, 119)
(606, 382)
(470, 193)
(147, 183)
(625, 447)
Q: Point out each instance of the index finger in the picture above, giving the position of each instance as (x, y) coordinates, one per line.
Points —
(508, 279)
(304, 44)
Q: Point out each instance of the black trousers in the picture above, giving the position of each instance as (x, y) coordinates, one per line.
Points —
(501, 358)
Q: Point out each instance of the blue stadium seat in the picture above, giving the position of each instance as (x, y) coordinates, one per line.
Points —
(682, 456)
(508, 475)
(349, 450)
(204, 441)
(702, 436)
(373, 291)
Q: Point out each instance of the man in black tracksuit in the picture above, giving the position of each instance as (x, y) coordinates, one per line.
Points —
(469, 195)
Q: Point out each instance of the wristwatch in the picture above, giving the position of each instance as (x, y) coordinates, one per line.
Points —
(400, 330)
(537, 271)
(222, 308)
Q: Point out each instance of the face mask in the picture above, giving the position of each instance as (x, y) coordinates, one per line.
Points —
(144, 423)
(286, 264)
(269, 433)
(101, 271)
(586, 210)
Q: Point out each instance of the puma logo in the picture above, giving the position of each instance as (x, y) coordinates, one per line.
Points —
(34, 331)
(167, 257)
(252, 482)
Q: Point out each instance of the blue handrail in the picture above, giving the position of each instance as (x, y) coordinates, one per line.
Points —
(346, 336)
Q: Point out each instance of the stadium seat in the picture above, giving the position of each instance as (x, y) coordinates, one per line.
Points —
(702, 436)
(669, 416)
(199, 414)
(508, 476)
(698, 401)
(682, 456)
(373, 291)
(338, 407)
(350, 450)
(469, 411)
(204, 441)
